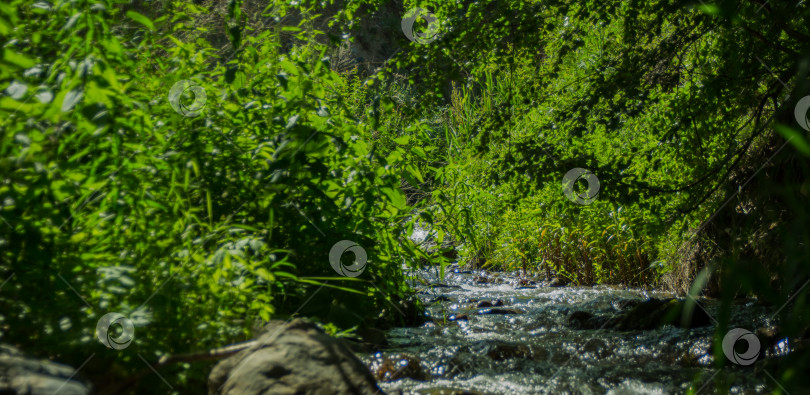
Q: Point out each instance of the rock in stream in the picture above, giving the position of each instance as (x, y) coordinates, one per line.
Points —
(292, 358)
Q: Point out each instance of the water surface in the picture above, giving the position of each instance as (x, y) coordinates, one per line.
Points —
(531, 347)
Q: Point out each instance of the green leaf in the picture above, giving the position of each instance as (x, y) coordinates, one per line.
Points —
(16, 59)
(710, 9)
(396, 197)
(394, 156)
(8, 103)
(140, 18)
(78, 237)
(795, 137)
(409, 178)
(289, 67)
(418, 151)
(72, 21)
(387, 104)
(155, 205)
(414, 172)
(240, 80)
(264, 315)
(265, 274)
(5, 27)
(402, 140)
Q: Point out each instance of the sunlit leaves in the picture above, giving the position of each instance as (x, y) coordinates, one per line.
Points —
(140, 18)
(221, 215)
(12, 58)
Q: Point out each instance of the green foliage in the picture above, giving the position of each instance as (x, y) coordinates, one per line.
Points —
(197, 227)
(680, 109)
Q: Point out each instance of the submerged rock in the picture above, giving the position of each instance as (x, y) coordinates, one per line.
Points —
(397, 367)
(649, 314)
(482, 279)
(405, 312)
(487, 303)
(292, 358)
(500, 311)
(447, 391)
(624, 304)
(458, 317)
(370, 339)
(525, 282)
(20, 374)
(558, 282)
(500, 352)
(585, 320)
(655, 313)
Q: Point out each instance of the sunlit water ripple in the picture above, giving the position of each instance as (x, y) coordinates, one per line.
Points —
(538, 351)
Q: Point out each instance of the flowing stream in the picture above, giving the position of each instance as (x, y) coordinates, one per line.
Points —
(495, 334)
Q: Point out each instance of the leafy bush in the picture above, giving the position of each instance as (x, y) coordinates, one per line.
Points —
(195, 219)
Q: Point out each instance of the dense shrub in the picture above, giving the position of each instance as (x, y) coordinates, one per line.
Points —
(196, 219)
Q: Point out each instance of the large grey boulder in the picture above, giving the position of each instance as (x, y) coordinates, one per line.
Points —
(21, 375)
(292, 358)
